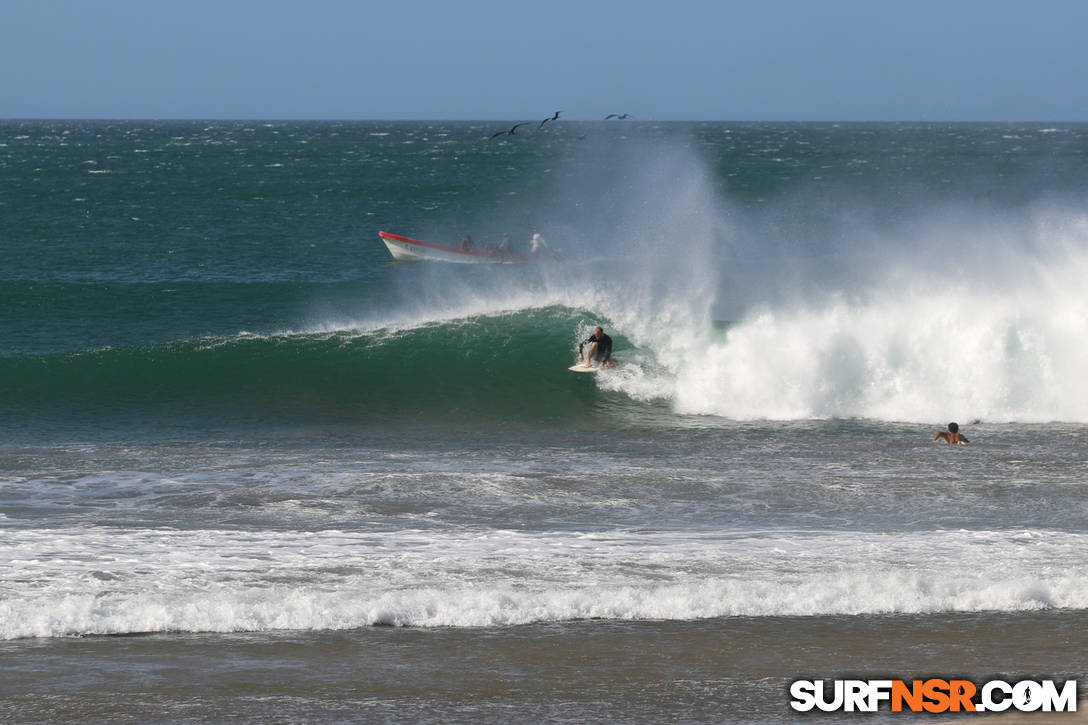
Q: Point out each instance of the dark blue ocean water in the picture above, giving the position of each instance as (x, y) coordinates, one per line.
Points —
(232, 425)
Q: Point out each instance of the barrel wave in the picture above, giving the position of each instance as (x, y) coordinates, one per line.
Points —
(483, 367)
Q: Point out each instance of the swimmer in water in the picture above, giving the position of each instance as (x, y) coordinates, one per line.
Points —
(952, 435)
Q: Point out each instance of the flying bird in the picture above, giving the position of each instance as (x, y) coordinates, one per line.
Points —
(553, 118)
(620, 116)
(511, 131)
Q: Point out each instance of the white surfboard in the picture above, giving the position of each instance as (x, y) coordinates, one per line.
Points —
(583, 368)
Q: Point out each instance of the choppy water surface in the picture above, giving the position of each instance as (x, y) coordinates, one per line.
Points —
(232, 426)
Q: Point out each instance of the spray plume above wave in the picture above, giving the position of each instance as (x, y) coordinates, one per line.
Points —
(948, 306)
(923, 297)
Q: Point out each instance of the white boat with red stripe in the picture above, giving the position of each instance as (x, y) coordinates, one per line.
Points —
(404, 249)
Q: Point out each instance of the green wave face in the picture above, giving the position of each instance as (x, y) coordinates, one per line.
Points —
(479, 369)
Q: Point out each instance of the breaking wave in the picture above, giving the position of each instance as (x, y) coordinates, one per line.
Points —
(116, 582)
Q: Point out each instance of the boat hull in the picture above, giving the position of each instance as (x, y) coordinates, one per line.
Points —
(404, 249)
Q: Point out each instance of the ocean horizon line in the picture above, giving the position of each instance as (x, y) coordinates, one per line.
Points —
(630, 121)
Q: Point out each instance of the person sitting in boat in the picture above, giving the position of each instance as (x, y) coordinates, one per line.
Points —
(467, 245)
(537, 244)
(952, 435)
(600, 349)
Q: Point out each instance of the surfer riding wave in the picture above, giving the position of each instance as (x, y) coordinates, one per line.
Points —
(600, 349)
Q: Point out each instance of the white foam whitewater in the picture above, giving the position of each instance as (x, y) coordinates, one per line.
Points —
(949, 312)
(109, 581)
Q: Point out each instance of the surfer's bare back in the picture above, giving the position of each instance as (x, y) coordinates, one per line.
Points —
(952, 435)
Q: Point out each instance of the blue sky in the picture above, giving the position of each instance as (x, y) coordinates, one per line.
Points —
(779, 60)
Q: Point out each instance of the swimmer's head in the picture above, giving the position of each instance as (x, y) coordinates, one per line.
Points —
(953, 427)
